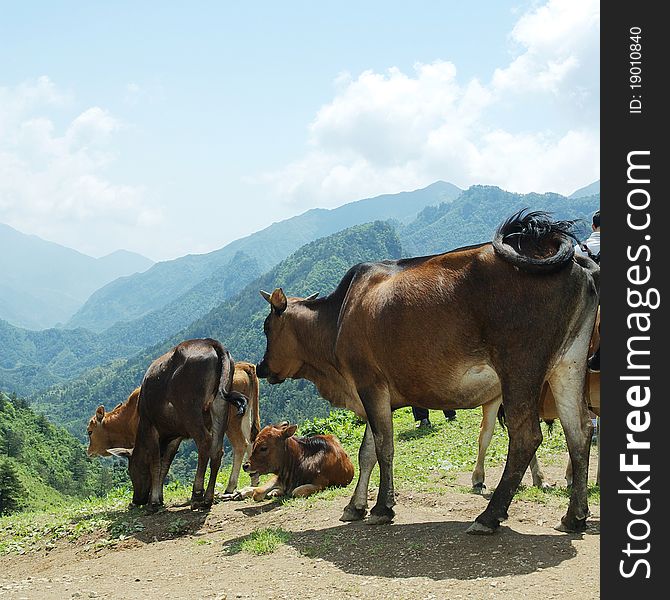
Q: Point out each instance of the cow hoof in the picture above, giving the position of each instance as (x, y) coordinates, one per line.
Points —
(478, 529)
(380, 516)
(201, 505)
(228, 496)
(379, 520)
(571, 525)
(478, 488)
(154, 507)
(351, 513)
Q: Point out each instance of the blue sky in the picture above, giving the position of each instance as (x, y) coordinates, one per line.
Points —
(169, 130)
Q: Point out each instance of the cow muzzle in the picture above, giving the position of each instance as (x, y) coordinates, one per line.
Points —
(247, 468)
(262, 370)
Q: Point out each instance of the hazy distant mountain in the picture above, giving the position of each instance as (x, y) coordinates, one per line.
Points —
(43, 283)
(131, 297)
(589, 190)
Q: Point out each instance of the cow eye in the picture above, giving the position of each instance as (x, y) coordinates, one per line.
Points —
(89, 433)
(263, 448)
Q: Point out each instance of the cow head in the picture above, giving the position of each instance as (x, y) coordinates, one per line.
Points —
(269, 449)
(113, 429)
(282, 357)
(97, 440)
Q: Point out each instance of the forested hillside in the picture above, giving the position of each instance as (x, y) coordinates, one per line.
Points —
(132, 297)
(474, 216)
(48, 464)
(318, 266)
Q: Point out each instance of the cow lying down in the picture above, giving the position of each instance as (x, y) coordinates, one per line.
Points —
(302, 466)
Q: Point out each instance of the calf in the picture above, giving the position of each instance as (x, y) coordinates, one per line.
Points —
(302, 466)
(118, 427)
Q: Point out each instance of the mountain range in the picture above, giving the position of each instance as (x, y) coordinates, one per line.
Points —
(132, 297)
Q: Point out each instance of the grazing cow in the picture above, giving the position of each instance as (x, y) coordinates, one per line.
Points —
(118, 428)
(456, 330)
(302, 466)
(184, 394)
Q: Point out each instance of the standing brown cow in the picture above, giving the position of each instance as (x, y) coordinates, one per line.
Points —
(118, 427)
(456, 330)
(184, 394)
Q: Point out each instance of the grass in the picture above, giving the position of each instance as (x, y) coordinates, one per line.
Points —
(260, 542)
(426, 461)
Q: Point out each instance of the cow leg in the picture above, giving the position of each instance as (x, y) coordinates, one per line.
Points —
(568, 473)
(380, 418)
(521, 398)
(306, 490)
(219, 413)
(489, 413)
(536, 473)
(154, 457)
(567, 382)
(168, 452)
(203, 444)
(238, 459)
(367, 459)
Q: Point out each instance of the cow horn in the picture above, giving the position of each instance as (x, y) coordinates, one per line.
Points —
(122, 452)
(266, 295)
(313, 296)
(100, 413)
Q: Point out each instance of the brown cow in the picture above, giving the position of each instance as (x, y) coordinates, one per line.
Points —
(302, 466)
(455, 330)
(184, 394)
(118, 428)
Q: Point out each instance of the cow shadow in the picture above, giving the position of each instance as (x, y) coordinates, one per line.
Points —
(259, 509)
(139, 523)
(437, 550)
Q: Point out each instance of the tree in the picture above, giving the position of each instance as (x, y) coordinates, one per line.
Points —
(11, 442)
(11, 488)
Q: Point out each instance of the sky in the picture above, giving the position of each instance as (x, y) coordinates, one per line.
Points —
(168, 128)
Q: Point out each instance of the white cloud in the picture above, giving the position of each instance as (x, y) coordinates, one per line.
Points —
(389, 131)
(54, 183)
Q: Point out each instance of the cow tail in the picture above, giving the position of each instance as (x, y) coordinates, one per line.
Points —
(535, 243)
(226, 373)
(254, 402)
(501, 416)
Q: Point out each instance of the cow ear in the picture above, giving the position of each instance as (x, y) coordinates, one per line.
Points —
(313, 296)
(100, 413)
(122, 452)
(289, 431)
(278, 301)
(266, 295)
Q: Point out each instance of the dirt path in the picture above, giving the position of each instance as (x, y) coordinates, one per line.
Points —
(425, 554)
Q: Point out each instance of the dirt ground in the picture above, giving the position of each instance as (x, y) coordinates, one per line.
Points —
(425, 554)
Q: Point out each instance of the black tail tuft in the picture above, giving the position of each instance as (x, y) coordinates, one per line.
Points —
(550, 425)
(501, 416)
(532, 241)
(238, 400)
